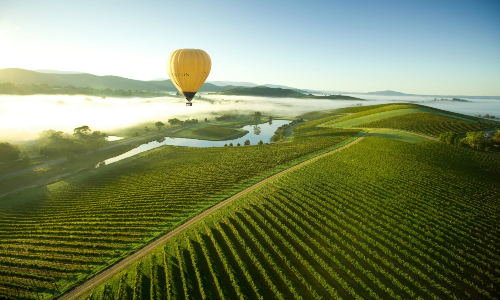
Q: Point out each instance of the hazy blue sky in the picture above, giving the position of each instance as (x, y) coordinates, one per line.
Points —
(425, 47)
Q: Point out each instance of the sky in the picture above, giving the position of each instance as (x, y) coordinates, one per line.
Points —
(416, 47)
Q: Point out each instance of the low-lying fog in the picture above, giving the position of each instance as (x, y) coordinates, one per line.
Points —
(26, 116)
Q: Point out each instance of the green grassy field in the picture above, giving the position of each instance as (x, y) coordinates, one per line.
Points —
(367, 116)
(398, 135)
(425, 123)
(210, 132)
(216, 131)
(375, 113)
(382, 219)
(55, 236)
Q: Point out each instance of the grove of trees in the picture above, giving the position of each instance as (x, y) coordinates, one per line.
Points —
(82, 141)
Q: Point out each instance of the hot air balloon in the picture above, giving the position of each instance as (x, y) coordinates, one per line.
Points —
(188, 69)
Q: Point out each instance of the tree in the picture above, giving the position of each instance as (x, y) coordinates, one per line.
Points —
(159, 125)
(473, 139)
(8, 152)
(448, 137)
(256, 130)
(96, 140)
(270, 120)
(225, 145)
(81, 132)
(191, 121)
(230, 144)
(260, 142)
(238, 145)
(496, 138)
(247, 142)
(147, 130)
(256, 116)
(206, 120)
(174, 122)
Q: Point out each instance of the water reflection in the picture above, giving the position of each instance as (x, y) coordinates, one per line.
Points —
(257, 130)
(255, 134)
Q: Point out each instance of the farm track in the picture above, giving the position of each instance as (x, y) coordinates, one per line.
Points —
(112, 270)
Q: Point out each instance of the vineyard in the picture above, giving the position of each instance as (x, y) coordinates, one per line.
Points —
(51, 241)
(382, 219)
(425, 123)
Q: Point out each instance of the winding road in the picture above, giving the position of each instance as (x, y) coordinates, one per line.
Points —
(106, 274)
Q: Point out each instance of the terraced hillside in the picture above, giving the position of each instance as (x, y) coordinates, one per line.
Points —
(50, 241)
(382, 219)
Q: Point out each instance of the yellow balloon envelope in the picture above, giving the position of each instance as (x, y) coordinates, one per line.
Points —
(188, 69)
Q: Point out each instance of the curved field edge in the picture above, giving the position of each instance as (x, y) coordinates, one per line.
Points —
(398, 135)
(340, 227)
(396, 110)
(428, 123)
(46, 207)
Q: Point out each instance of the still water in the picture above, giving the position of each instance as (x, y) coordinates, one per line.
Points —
(262, 132)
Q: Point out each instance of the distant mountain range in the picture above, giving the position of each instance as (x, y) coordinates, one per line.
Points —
(393, 93)
(80, 79)
(21, 76)
(388, 93)
(58, 72)
(264, 91)
(234, 83)
(251, 84)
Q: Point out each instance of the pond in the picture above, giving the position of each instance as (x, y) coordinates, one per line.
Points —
(262, 132)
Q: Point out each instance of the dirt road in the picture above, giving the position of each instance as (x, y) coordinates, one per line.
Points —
(34, 168)
(104, 275)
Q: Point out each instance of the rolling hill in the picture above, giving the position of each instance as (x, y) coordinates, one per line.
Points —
(264, 91)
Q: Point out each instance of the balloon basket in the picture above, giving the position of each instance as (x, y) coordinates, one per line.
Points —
(189, 104)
